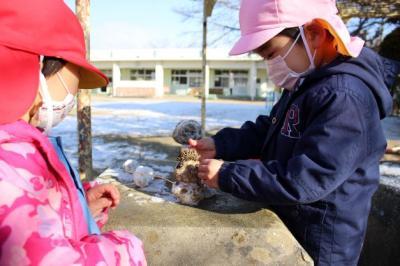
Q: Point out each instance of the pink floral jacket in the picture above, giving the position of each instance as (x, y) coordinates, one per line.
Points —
(41, 219)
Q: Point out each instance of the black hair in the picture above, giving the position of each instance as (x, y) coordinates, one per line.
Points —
(51, 65)
(292, 33)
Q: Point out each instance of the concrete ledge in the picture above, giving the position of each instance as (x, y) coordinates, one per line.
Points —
(222, 231)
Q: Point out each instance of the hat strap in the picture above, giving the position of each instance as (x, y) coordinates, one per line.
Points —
(291, 47)
(310, 56)
(47, 100)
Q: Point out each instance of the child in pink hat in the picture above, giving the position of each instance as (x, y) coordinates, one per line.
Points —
(318, 151)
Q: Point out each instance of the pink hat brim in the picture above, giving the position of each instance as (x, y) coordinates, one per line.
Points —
(252, 41)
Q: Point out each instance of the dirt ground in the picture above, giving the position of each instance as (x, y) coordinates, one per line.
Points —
(176, 98)
(392, 157)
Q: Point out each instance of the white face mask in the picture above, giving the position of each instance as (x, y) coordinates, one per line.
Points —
(51, 113)
(280, 73)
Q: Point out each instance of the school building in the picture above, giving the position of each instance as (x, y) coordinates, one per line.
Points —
(155, 72)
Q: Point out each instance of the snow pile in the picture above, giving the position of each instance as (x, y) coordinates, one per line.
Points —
(390, 174)
(158, 118)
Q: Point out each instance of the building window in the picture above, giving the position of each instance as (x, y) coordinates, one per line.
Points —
(239, 78)
(195, 82)
(142, 74)
(241, 81)
(179, 77)
(192, 78)
(195, 78)
(221, 78)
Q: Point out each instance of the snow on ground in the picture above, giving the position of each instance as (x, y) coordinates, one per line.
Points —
(159, 118)
(140, 118)
(390, 174)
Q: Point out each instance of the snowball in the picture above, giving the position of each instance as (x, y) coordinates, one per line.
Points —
(142, 176)
(129, 166)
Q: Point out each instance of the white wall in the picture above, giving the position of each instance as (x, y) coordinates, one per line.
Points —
(163, 67)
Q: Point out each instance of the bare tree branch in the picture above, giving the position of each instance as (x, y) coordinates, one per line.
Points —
(369, 18)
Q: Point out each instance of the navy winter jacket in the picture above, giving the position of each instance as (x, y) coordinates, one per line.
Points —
(316, 157)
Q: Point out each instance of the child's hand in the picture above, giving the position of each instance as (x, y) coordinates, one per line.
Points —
(97, 206)
(102, 197)
(205, 147)
(208, 172)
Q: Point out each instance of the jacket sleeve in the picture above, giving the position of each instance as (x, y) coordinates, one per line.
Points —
(41, 239)
(243, 143)
(329, 151)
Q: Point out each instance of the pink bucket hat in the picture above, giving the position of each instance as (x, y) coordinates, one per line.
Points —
(261, 20)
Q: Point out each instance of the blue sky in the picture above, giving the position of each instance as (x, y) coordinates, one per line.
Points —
(135, 24)
(129, 24)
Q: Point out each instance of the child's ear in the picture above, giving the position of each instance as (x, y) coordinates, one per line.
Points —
(315, 33)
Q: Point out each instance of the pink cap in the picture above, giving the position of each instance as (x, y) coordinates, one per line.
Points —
(261, 20)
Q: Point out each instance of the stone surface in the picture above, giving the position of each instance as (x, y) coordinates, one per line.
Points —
(221, 231)
(382, 243)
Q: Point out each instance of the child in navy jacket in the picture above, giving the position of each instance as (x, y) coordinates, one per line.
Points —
(315, 159)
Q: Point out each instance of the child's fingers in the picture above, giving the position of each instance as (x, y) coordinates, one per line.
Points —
(203, 167)
(115, 195)
(193, 143)
(205, 162)
(203, 176)
(111, 192)
(110, 189)
(98, 205)
(202, 173)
